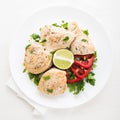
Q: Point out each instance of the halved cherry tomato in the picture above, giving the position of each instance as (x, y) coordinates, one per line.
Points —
(84, 60)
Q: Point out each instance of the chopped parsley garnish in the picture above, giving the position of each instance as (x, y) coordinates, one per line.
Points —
(31, 51)
(24, 70)
(62, 25)
(43, 40)
(84, 40)
(86, 32)
(34, 77)
(65, 25)
(56, 25)
(46, 77)
(66, 38)
(50, 90)
(76, 87)
(27, 46)
(35, 37)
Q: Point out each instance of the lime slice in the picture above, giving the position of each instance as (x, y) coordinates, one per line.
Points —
(63, 58)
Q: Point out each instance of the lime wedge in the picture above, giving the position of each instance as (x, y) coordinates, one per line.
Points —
(63, 59)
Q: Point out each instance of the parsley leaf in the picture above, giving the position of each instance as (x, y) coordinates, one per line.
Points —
(56, 25)
(76, 87)
(86, 32)
(24, 70)
(27, 46)
(65, 25)
(46, 77)
(50, 90)
(42, 41)
(35, 37)
(34, 77)
(66, 38)
(84, 40)
(90, 78)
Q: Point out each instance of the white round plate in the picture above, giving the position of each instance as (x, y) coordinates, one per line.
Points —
(53, 15)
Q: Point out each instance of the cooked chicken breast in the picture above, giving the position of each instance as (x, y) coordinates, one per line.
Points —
(56, 38)
(53, 82)
(37, 60)
(73, 27)
(82, 45)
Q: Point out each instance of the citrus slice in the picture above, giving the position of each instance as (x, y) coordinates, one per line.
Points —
(63, 59)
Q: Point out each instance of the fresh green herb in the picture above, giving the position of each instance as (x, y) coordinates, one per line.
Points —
(56, 25)
(64, 25)
(31, 76)
(95, 60)
(76, 87)
(31, 51)
(46, 77)
(43, 40)
(35, 37)
(66, 38)
(27, 46)
(50, 55)
(94, 65)
(24, 70)
(52, 52)
(86, 32)
(40, 29)
(90, 78)
(50, 90)
(34, 77)
(84, 40)
(71, 76)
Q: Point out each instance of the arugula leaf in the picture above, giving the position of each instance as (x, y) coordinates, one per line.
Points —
(76, 87)
(86, 32)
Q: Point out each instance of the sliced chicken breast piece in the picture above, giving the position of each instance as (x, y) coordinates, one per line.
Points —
(37, 60)
(73, 27)
(82, 45)
(56, 37)
(53, 82)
